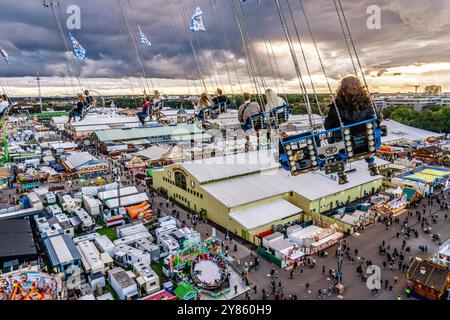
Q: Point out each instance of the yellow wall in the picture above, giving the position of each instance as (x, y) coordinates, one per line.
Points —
(216, 211)
(219, 213)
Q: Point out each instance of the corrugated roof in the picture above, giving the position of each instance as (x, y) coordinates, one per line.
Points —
(153, 153)
(61, 250)
(253, 187)
(16, 238)
(127, 201)
(261, 215)
(140, 133)
(77, 159)
(109, 194)
(216, 168)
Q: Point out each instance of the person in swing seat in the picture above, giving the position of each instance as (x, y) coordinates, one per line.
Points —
(88, 97)
(5, 102)
(273, 100)
(203, 103)
(248, 109)
(221, 99)
(156, 104)
(355, 105)
(145, 110)
(78, 110)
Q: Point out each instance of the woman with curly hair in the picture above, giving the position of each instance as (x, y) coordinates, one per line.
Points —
(355, 105)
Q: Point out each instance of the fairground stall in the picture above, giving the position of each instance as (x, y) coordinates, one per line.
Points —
(425, 178)
(30, 285)
(201, 267)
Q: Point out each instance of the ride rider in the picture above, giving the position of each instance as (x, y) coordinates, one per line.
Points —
(79, 109)
(5, 102)
(355, 105)
(204, 102)
(146, 106)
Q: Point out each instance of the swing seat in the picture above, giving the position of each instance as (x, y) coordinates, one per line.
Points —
(280, 115)
(87, 108)
(212, 112)
(266, 120)
(329, 150)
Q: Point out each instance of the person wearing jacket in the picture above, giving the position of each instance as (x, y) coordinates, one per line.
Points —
(78, 111)
(247, 109)
(5, 102)
(145, 110)
(355, 105)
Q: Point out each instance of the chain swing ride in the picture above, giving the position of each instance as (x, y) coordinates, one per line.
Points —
(314, 150)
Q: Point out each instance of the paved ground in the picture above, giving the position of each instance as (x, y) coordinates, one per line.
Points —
(367, 244)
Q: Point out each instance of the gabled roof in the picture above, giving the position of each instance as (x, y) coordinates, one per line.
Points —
(141, 133)
(258, 216)
(78, 159)
(429, 274)
(153, 153)
(240, 164)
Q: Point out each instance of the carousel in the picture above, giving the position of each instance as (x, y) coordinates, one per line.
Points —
(29, 285)
(202, 266)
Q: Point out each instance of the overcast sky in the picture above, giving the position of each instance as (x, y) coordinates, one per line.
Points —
(412, 46)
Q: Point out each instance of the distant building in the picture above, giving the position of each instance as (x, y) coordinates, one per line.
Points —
(417, 102)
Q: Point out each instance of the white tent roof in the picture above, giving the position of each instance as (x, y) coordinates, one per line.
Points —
(233, 165)
(261, 215)
(249, 188)
(127, 201)
(398, 131)
(77, 159)
(153, 153)
(109, 194)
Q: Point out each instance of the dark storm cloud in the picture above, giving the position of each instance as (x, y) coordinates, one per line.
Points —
(28, 32)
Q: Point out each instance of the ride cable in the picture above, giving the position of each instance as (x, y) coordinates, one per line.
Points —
(228, 46)
(222, 51)
(296, 64)
(308, 25)
(178, 41)
(133, 14)
(70, 59)
(213, 62)
(122, 46)
(185, 21)
(133, 40)
(352, 43)
(304, 58)
(252, 64)
(263, 31)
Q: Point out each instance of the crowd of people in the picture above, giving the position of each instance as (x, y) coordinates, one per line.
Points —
(197, 272)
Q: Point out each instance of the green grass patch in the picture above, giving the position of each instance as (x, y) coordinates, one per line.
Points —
(109, 232)
(110, 289)
(158, 266)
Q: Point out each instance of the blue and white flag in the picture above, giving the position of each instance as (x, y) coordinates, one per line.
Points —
(79, 51)
(197, 21)
(4, 54)
(144, 39)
